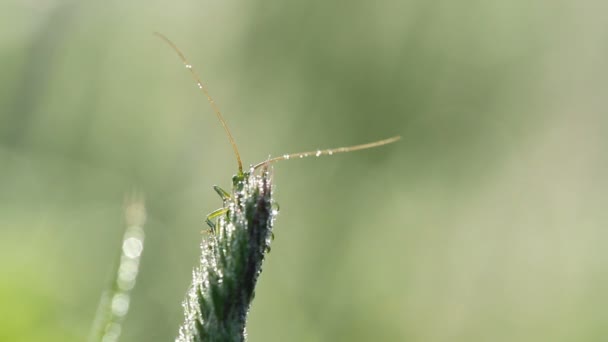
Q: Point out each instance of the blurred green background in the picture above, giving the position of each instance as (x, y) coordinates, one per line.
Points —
(487, 222)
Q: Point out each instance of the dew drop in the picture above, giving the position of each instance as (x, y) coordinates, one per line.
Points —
(132, 247)
(112, 333)
(200, 85)
(188, 66)
(318, 153)
(330, 152)
(120, 304)
(286, 156)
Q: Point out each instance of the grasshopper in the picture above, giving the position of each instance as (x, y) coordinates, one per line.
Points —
(242, 175)
(223, 285)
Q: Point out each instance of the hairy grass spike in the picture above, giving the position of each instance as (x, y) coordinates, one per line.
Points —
(222, 289)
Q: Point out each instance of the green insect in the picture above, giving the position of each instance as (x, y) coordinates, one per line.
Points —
(241, 175)
(222, 289)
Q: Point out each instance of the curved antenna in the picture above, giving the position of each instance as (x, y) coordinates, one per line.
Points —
(328, 152)
(202, 87)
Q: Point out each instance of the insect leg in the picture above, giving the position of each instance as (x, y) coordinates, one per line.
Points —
(223, 193)
(214, 215)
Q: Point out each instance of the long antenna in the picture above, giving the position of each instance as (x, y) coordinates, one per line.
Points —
(328, 152)
(203, 87)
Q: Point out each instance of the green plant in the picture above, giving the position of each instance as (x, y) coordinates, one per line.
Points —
(223, 284)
